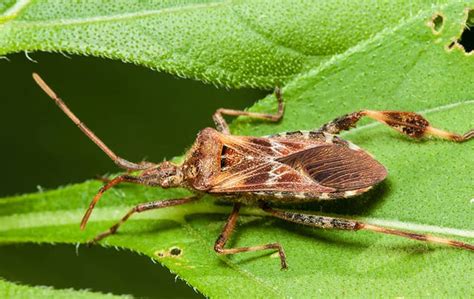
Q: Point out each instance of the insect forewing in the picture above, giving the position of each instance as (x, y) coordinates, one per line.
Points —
(295, 165)
(337, 167)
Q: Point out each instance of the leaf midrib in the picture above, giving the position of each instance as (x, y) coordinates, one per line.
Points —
(178, 214)
(111, 18)
(15, 9)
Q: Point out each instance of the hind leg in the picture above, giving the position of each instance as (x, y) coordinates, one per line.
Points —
(409, 123)
(355, 225)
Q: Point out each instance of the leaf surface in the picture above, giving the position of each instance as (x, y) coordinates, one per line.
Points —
(13, 290)
(233, 43)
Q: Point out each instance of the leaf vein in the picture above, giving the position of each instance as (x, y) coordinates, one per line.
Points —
(121, 17)
(14, 11)
(359, 47)
(267, 38)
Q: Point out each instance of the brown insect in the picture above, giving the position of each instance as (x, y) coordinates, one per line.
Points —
(289, 167)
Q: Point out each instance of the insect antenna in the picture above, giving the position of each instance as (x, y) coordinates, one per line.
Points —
(118, 160)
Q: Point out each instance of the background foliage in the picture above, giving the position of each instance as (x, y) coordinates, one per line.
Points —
(388, 56)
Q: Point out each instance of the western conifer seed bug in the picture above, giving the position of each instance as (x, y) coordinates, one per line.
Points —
(291, 167)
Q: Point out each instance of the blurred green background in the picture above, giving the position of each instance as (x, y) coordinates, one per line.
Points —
(139, 113)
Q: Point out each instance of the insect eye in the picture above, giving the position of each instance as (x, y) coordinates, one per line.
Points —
(171, 172)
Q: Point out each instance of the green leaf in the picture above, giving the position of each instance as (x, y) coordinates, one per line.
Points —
(13, 290)
(233, 43)
(429, 188)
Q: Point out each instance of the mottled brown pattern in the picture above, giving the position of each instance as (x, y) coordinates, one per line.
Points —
(260, 141)
(257, 179)
(230, 157)
(411, 124)
(342, 123)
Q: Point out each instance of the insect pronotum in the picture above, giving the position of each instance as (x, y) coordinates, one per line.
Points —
(288, 167)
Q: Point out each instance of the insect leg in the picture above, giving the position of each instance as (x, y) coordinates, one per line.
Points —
(348, 224)
(222, 125)
(149, 177)
(227, 230)
(409, 123)
(117, 160)
(142, 208)
(107, 186)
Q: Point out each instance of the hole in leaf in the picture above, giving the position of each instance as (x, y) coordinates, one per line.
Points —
(467, 37)
(172, 252)
(175, 251)
(437, 23)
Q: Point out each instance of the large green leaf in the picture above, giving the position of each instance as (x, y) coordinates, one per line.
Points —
(12, 290)
(235, 43)
(429, 188)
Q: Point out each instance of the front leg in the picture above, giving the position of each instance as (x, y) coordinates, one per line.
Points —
(223, 127)
(409, 123)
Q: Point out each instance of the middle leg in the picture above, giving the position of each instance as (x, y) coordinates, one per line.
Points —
(227, 230)
(222, 125)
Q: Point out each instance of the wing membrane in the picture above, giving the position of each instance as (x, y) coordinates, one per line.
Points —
(338, 167)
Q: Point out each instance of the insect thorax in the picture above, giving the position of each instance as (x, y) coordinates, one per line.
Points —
(202, 162)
